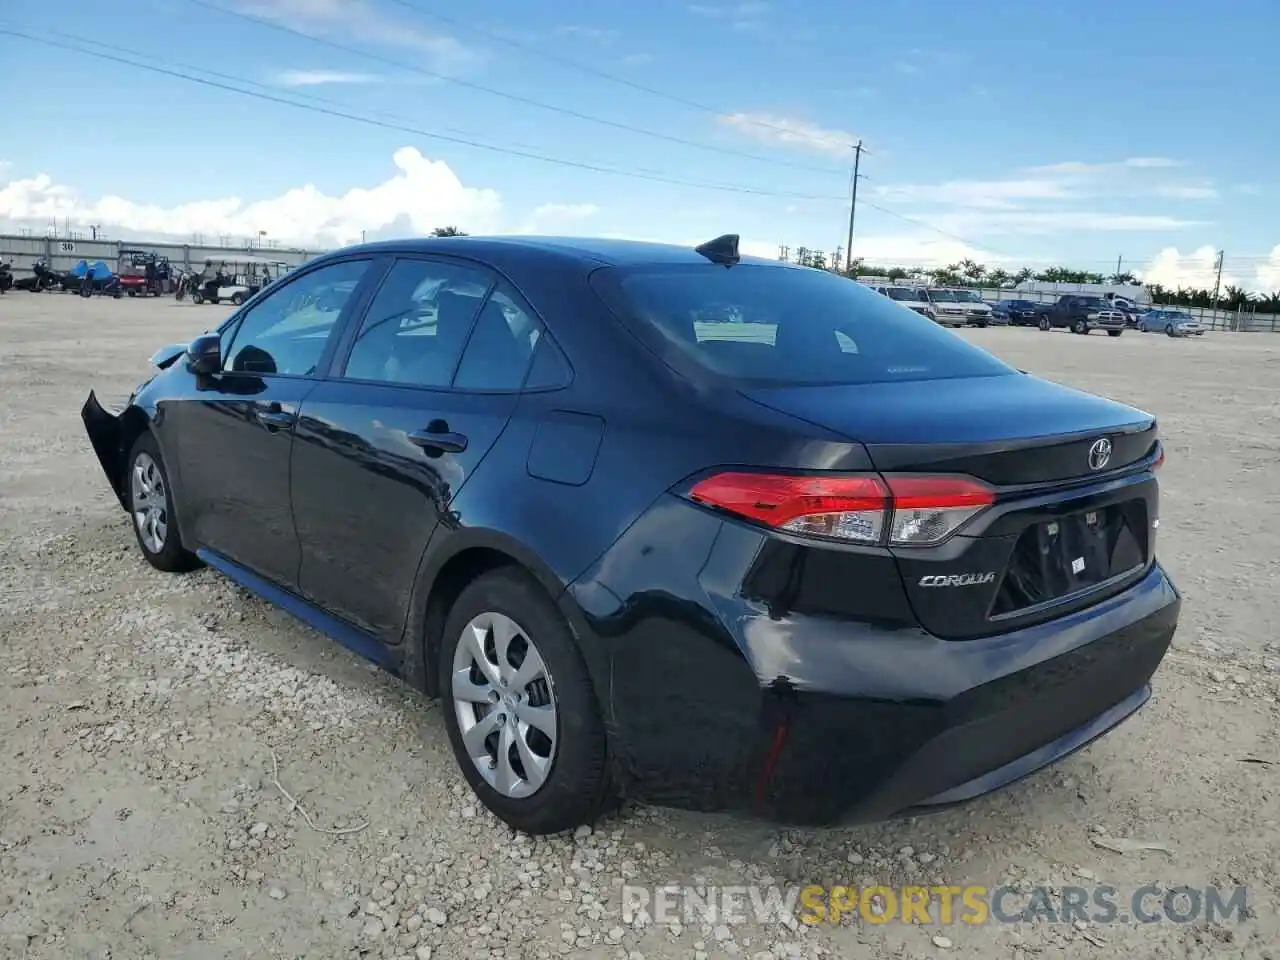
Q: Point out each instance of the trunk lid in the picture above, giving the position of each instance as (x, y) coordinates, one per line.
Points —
(1007, 430)
(1066, 530)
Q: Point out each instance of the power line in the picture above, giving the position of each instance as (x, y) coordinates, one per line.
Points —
(514, 97)
(606, 75)
(404, 128)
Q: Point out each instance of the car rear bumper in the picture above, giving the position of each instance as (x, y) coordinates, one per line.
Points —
(714, 702)
(851, 760)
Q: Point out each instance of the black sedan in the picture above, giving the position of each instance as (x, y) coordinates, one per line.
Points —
(1016, 313)
(814, 558)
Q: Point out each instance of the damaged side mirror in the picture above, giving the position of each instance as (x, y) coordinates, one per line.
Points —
(204, 355)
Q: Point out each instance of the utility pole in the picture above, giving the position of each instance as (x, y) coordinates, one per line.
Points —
(1119, 260)
(853, 206)
(1217, 284)
(834, 266)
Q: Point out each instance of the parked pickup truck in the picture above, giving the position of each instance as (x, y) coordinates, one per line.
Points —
(1081, 314)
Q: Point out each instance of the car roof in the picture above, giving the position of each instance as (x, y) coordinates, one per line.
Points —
(588, 251)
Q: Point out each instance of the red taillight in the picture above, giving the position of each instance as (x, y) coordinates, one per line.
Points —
(1159, 459)
(847, 508)
(861, 508)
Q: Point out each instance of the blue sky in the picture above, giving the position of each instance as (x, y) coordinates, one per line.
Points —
(1024, 132)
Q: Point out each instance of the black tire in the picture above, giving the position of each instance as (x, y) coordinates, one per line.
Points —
(1045, 326)
(197, 298)
(1080, 327)
(173, 556)
(579, 786)
(1114, 333)
(237, 298)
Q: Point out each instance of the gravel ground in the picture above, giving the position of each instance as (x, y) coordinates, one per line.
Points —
(144, 715)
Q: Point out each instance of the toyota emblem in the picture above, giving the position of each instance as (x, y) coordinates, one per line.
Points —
(1099, 454)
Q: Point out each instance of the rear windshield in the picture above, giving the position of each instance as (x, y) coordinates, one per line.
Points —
(788, 325)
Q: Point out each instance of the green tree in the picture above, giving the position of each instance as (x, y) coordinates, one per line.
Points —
(447, 232)
(972, 271)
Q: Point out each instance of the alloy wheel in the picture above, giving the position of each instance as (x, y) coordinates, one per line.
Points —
(150, 505)
(505, 705)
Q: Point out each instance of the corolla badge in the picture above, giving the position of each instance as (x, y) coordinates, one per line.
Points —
(1099, 454)
(957, 579)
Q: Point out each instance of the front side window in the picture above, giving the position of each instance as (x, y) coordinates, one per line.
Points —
(794, 326)
(287, 332)
(418, 323)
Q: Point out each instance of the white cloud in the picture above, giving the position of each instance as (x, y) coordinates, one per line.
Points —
(598, 35)
(1199, 269)
(319, 78)
(1080, 167)
(1037, 222)
(1176, 191)
(366, 21)
(747, 15)
(978, 193)
(791, 132)
(553, 218)
(420, 195)
(1169, 268)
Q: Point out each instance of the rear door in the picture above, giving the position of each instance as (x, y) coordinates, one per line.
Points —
(421, 389)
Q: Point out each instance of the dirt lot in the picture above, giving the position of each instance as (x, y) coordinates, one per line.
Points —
(140, 815)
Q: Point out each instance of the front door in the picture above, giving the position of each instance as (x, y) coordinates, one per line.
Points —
(235, 432)
(429, 381)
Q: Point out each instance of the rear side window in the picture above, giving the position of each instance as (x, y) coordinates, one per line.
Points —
(501, 345)
(789, 326)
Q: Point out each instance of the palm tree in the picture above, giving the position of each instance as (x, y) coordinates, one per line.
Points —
(447, 232)
(1233, 297)
(998, 277)
(972, 271)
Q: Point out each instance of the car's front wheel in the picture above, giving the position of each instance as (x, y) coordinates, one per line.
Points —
(1080, 327)
(521, 712)
(151, 509)
(1114, 333)
(1044, 324)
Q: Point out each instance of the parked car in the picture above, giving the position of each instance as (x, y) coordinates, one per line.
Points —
(1017, 313)
(1081, 314)
(913, 298)
(1175, 323)
(959, 308)
(803, 563)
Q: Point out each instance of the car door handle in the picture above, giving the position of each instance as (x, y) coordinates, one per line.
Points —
(273, 415)
(276, 418)
(439, 440)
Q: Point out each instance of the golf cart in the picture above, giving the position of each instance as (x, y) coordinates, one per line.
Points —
(240, 280)
(143, 272)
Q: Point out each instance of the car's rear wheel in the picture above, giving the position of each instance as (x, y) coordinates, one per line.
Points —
(1044, 324)
(521, 712)
(1080, 327)
(1114, 333)
(150, 500)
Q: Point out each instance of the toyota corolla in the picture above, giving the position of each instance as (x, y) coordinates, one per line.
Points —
(814, 558)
